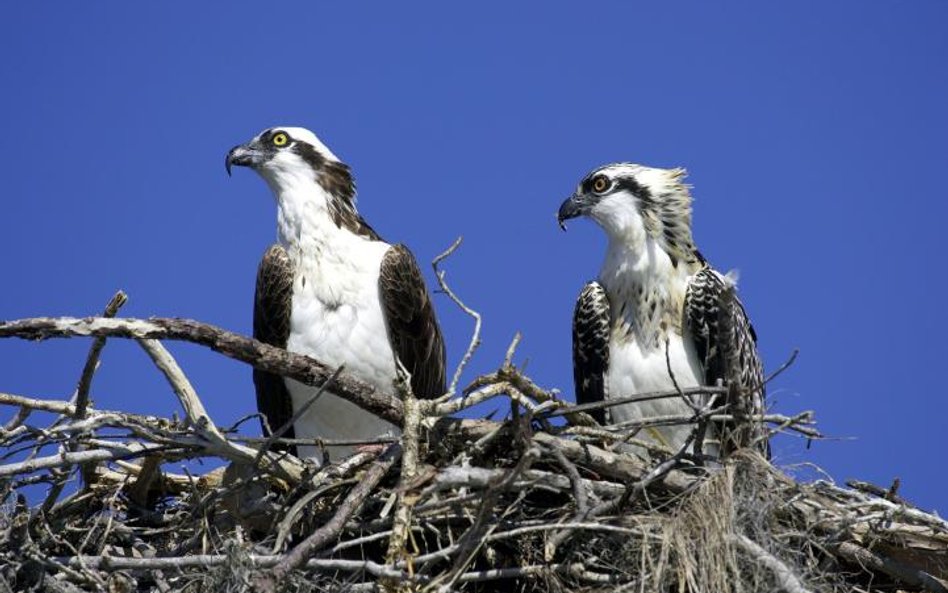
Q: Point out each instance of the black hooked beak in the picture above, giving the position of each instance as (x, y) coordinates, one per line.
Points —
(573, 206)
(244, 155)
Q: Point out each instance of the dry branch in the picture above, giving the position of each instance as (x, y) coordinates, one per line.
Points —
(268, 582)
(476, 505)
(257, 354)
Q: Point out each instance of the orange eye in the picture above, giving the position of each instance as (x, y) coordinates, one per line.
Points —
(279, 139)
(600, 184)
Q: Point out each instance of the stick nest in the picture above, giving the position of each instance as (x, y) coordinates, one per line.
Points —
(530, 503)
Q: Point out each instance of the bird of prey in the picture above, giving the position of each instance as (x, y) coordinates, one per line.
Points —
(332, 289)
(659, 317)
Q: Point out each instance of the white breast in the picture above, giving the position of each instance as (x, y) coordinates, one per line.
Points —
(648, 292)
(337, 318)
(633, 371)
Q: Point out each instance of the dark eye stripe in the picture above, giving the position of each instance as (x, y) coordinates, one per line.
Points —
(633, 187)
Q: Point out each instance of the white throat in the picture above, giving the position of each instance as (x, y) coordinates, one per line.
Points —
(634, 258)
(621, 221)
(303, 217)
(645, 290)
(640, 262)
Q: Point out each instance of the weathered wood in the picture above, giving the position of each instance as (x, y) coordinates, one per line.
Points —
(257, 354)
(476, 501)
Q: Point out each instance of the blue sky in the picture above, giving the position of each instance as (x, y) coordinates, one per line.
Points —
(816, 136)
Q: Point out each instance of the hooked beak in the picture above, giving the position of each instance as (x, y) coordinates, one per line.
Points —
(573, 206)
(245, 155)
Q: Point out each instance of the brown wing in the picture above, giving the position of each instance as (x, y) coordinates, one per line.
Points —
(271, 324)
(591, 321)
(727, 347)
(412, 327)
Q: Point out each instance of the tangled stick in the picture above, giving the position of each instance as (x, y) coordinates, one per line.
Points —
(455, 504)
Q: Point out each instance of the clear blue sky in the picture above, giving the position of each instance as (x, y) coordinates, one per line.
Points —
(816, 135)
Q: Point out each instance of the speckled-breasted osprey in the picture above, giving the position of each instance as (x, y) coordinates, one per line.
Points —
(655, 292)
(331, 288)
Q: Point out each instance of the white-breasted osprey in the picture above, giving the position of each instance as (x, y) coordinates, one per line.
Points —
(332, 289)
(655, 292)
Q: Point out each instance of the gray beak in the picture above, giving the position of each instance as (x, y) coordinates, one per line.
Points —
(244, 155)
(573, 206)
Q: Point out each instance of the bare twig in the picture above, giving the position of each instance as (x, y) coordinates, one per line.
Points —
(129, 451)
(579, 497)
(876, 562)
(472, 539)
(329, 478)
(406, 495)
(267, 582)
(201, 421)
(476, 336)
(786, 365)
(643, 397)
(297, 414)
(448, 552)
(92, 360)
(43, 405)
(786, 579)
(454, 477)
(111, 563)
(193, 407)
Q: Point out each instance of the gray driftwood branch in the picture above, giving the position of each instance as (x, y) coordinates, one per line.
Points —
(257, 354)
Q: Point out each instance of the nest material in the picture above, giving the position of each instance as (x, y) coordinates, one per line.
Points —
(494, 507)
(452, 505)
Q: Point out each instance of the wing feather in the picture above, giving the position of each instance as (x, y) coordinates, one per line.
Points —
(726, 344)
(271, 325)
(413, 330)
(591, 326)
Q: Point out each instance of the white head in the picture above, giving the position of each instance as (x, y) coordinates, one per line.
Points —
(633, 203)
(293, 159)
(305, 176)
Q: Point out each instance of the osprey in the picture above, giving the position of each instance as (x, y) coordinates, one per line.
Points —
(332, 289)
(659, 317)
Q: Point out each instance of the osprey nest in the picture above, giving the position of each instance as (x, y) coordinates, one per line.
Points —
(541, 501)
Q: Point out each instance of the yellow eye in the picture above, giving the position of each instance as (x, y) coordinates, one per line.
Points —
(280, 139)
(600, 184)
